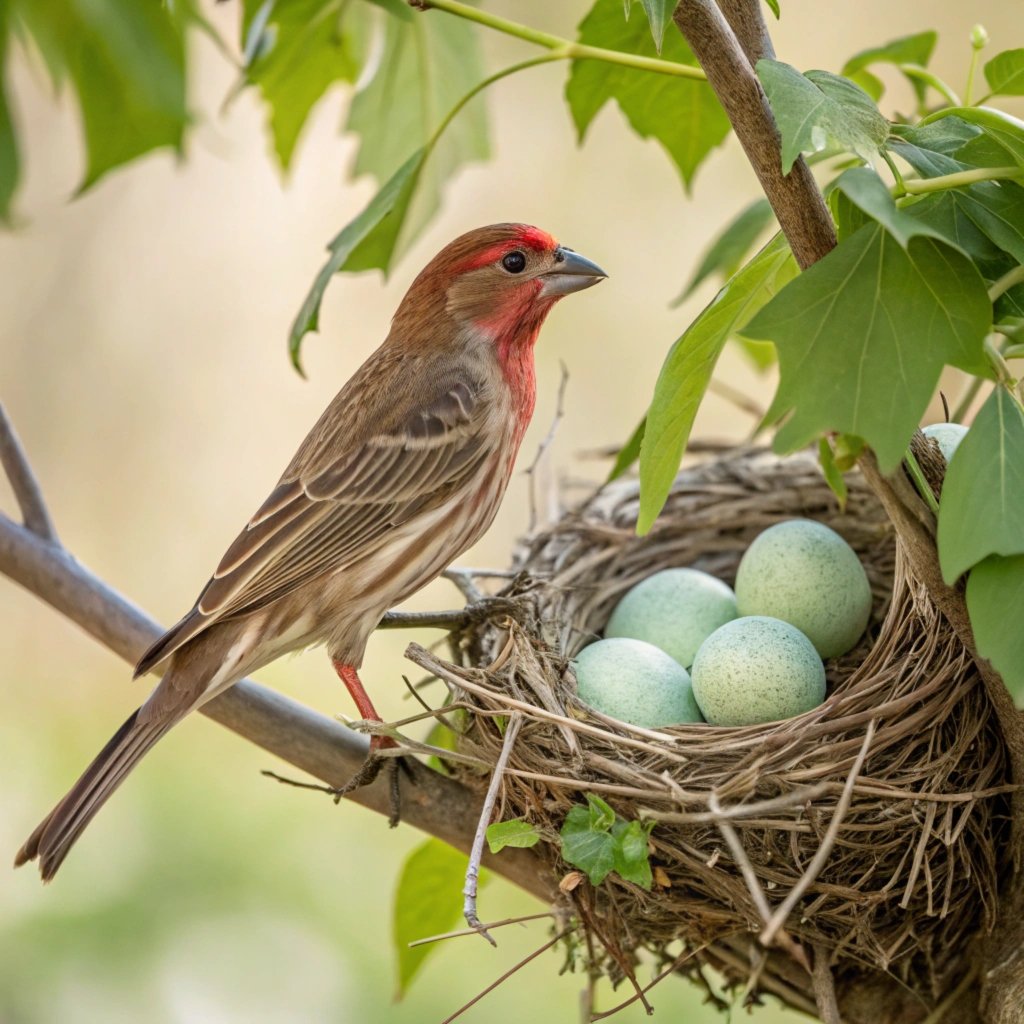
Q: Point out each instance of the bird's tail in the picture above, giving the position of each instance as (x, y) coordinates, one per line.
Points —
(59, 830)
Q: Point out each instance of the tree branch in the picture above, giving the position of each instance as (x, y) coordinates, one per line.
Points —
(795, 198)
(310, 741)
(23, 482)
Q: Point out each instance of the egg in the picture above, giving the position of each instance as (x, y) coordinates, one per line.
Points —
(635, 682)
(676, 610)
(757, 669)
(946, 435)
(804, 573)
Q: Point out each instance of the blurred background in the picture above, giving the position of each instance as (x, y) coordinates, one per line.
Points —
(143, 361)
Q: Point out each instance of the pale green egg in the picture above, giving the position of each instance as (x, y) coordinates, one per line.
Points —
(804, 573)
(676, 610)
(635, 682)
(946, 435)
(757, 669)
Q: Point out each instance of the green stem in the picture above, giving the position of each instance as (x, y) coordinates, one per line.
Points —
(546, 58)
(920, 482)
(899, 188)
(966, 400)
(929, 78)
(566, 48)
(995, 357)
(971, 69)
(1006, 282)
(919, 186)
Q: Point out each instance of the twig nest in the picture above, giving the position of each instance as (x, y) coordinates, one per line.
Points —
(873, 825)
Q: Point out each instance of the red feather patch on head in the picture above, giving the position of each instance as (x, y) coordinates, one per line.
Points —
(524, 235)
(537, 239)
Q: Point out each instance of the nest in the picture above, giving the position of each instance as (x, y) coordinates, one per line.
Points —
(869, 831)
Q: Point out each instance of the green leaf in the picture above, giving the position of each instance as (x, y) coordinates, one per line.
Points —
(1000, 127)
(730, 248)
(298, 49)
(428, 901)
(915, 49)
(1005, 73)
(631, 853)
(126, 61)
(832, 473)
(372, 234)
(10, 169)
(688, 368)
(684, 116)
(817, 108)
(866, 190)
(995, 586)
(773, 6)
(863, 335)
(629, 452)
(517, 833)
(659, 14)
(401, 107)
(591, 850)
(982, 508)
(870, 83)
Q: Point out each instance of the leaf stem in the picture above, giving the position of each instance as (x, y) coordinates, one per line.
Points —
(920, 186)
(930, 78)
(565, 48)
(1006, 282)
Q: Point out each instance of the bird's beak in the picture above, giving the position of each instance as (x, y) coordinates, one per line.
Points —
(571, 273)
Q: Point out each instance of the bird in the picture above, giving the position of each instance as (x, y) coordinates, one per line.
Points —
(403, 471)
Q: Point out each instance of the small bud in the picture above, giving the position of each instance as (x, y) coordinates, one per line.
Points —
(979, 37)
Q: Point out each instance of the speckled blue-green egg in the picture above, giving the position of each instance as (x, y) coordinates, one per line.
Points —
(946, 435)
(804, 573)
(757, 669)
(676, 610)
(635, 682)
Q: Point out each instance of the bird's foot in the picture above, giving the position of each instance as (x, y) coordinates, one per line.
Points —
(371, 768)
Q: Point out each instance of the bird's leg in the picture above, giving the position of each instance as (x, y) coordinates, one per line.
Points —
(373, 764)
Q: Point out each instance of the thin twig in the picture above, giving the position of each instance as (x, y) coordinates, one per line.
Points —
(825, 988)
(531, 470)
(462, 932)
(672, 967)
(950, 1001)
(477, 850)
(739, 856)
(27, 492)
(821, 855)
(779, 803)
(736, 398)
(478, 611)
(508, 974)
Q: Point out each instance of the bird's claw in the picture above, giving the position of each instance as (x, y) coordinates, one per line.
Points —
(368, 773)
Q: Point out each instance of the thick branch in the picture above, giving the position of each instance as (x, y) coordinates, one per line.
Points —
(795, 198)
(309, 741)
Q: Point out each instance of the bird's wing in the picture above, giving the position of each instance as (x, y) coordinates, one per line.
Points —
(340, 506)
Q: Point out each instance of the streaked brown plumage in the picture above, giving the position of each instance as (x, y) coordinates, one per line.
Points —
(403, 471)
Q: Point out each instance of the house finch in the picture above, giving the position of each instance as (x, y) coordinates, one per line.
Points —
(403, 472)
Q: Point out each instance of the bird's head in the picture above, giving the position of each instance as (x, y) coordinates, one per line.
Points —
(498, 282)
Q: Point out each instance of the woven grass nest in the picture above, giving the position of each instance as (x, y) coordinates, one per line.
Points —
(869, 831)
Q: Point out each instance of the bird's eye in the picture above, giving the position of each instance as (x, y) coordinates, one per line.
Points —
(514, 262)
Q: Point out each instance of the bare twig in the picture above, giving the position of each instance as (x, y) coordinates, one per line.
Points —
(661, 975)
(508, 974)
(778, 919)
(456, 618)
(824, 988)
(476, 851)
(27, 492)
(531, 470)
(463, 932)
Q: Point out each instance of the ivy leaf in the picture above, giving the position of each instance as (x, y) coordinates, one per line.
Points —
(370, 237)
(126, 61)
(409, 99)
(981, 512)
(1005, 73)
(517, 833)
(832, 473)
(1000, 127)
(688, 368)
(684, 116)
(629, 452)
(631, 852)
(995, 586)
(863, 334)
(817, 108)
(730, 248)
(10, 168)
(297, 49)
(916, 49)
(428, 901)
(590, 849)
